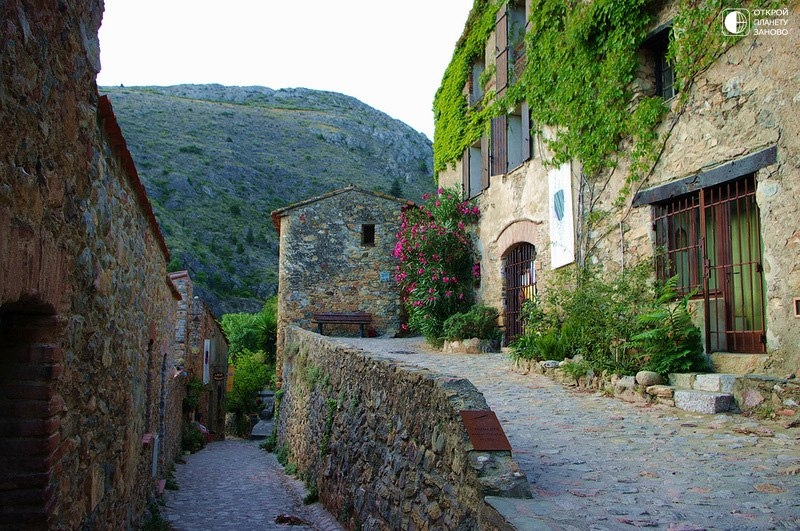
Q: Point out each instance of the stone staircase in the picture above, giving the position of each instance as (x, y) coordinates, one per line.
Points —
(703, 393)
(735, 387)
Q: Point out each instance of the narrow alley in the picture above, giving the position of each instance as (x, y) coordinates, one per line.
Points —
(234, 484)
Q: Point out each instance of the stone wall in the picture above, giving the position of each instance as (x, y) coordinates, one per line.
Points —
(326, 266)
(86, 310)
(194, 324)
(383, 443)
(745, 102)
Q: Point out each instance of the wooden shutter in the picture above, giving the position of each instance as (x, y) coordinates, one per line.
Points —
(465, 165)
(501, 43)
(499, 157)
(526, 131)
(485, 162)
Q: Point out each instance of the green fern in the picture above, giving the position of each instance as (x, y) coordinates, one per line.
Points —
(670, 342)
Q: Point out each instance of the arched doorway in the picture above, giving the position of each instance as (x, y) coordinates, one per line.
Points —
(30, 362)
(519, 275)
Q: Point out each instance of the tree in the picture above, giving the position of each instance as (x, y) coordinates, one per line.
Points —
(396, 190)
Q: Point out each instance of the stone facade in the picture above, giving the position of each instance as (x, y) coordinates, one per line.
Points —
(743, 107)
(383, 443)
(86, 308)
(336, 256)
(198, 333)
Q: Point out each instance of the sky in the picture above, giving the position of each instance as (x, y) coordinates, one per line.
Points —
(389, 54)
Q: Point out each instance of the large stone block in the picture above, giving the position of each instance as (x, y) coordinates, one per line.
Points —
(702, 401)
(721, 383)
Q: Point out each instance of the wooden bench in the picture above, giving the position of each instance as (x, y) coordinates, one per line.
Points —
(360, 318)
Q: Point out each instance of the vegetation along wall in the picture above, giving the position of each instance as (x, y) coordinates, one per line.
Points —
(383, 444)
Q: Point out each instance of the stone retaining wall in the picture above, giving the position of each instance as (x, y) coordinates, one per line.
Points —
(383, 443)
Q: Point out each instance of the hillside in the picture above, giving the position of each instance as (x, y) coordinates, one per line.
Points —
(217, 160)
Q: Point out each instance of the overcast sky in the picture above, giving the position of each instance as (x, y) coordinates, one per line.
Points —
(389, 54)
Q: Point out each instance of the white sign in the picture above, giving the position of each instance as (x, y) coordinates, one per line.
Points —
(562, 227)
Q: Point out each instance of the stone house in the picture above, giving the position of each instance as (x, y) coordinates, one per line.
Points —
(201, 350)
(336, 256)
(90, 415)
(718, 206)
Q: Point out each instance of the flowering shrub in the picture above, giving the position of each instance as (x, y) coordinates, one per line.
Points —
(437, 261)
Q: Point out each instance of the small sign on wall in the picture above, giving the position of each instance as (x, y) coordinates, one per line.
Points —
(385, 276)
(484, 430)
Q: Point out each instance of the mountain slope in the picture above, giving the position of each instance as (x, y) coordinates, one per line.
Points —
(217, 160)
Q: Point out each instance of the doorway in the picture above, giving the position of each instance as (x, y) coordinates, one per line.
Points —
(519, 274)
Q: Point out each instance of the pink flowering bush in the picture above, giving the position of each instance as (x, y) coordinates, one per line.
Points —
(437, 261)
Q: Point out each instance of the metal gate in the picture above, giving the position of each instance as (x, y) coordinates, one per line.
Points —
(733, 271)
(520, 285)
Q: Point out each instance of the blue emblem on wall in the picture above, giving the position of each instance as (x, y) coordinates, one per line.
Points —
(558, 204)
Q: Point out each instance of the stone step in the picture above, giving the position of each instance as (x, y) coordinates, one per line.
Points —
(714, 382)
(697, 401)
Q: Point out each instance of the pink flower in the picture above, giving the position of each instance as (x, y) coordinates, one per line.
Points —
(461, 296)
(440, 191)
(426, 196)
(448, 293)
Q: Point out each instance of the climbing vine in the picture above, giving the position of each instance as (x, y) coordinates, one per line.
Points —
(456, 125)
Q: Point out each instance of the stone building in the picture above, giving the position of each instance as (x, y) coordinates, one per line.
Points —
(336, 256)
(718, 206)
(89, 413)
(201, 350)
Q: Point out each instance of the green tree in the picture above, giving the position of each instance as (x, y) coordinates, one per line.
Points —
(252, 331)
(396, 190)
(252, 374)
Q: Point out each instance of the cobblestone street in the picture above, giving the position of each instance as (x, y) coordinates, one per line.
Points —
(234, 484)
(594, 463)
(597, 463)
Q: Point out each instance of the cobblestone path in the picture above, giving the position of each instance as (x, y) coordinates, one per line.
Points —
(597, 463)
(233, 484)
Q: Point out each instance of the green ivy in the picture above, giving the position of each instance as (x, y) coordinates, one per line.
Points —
(581, 59)
(457, 126)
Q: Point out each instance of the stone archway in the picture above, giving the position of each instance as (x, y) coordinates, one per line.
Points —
(30, 414)
(518, 266)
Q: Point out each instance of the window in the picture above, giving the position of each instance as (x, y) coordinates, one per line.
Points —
(475, 169)
(368, 234)
(518, 137)
(475, 86)
(663, 72)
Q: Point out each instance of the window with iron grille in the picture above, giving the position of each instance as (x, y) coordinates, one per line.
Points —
(711, 240)
(677, 228)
